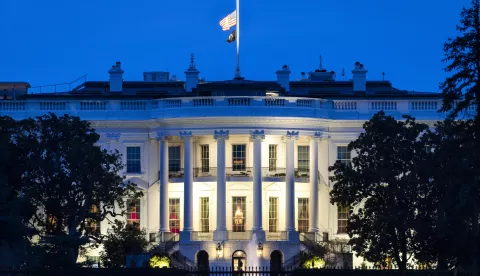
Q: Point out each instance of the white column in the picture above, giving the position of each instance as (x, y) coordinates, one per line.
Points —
(163, 184)
(314, 182)
(257, 136)
(220, 233)
(290, 183)
(186, 136)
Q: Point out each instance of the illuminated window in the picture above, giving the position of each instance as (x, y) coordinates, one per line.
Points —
(303, 158)
(238, 157)
(93, 226)
(342, 214)
(273, 214)
(272, 157)
(239, 213)
(204, 214)
(303, 216)
(133, 160)
(205, 158)
(133, 211)
(51, 224)
(174, 159)
(344, 155)
(174, 214)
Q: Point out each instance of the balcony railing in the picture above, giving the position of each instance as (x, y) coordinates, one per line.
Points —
(201, 236)
(239, 172)
(276, 236)
(239, 236)
(224, 106)
(204, 172)
(274, 174)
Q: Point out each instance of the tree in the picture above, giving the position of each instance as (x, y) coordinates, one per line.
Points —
(125, 239)
(15, 209)
(462, 92)
(444, 219)
(382, 185)
(72, 185)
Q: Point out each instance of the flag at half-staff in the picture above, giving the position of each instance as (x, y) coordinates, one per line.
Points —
(233, 20)
(232, 37)
(229, 21)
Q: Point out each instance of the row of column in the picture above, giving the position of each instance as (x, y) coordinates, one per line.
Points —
(220, 233)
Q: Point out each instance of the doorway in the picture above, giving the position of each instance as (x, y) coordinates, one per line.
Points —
(276, 261)
(239, 260)
(202, 261)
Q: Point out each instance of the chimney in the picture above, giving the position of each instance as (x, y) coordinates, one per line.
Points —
(359, 78)
(191, 74)
(116, 78)
(283, 77)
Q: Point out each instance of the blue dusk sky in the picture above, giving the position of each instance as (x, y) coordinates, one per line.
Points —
(55, 41)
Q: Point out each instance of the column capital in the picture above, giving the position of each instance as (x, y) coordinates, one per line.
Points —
(113, 137)
(257, 134)
(159, 136)
(292, 135)
(185, 135)
(220, 134)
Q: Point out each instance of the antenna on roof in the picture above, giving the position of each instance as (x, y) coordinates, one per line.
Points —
(383, 76)
(321, 63)
(343, 77)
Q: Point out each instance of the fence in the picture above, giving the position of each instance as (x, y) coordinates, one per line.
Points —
(226, 271)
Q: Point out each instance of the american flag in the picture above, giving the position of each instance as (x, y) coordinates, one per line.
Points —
(229, 21)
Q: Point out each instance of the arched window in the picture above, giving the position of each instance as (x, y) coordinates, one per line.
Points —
(202, 261)
(276, 262)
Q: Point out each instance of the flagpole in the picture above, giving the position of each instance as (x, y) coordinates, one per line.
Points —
(237, 69)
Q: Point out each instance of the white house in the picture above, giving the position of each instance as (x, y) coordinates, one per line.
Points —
(233, 171)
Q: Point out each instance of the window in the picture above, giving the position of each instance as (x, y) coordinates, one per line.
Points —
(238, 157)
(344, 155)
(204, 214)
(133, 160)
(303, 158)
(273, 214)
(174, 214)
(174, 159)
(303, 215)
(343, 213)
(133, 211)
(272, 157)
(93, 226)
(152, 237)
(239, 213)
(205, 158)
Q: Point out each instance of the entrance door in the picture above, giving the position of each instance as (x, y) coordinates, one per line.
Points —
(239, 261)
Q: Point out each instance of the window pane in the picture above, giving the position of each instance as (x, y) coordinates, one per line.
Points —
(342, 218)
(133, 211)
(174, 215)
(344, 155)
(174, 159)
(133, 160)
(272, 157)
(238, 157)
(303, 158)
(303, 215)
(204, 214)
(205, 158)
(239, 213)
(273, 214)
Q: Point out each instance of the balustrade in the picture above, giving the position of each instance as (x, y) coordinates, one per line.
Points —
(93, 106)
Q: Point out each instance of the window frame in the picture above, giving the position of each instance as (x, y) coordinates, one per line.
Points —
(272, 157)
(303, 221)
(137, 212)
(236, 167)
(130, 160)
(273, 214)
(305, 159)
(205, 157)
(243, 207)
(344, 155)
(176, 222)
(171, 168)
(204, 214)
(342, 220)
